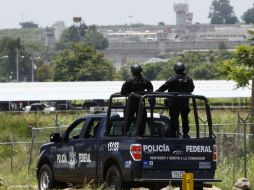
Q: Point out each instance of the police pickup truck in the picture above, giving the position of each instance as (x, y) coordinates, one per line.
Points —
(96, 148)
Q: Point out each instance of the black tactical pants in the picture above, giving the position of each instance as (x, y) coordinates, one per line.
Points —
(174, 111)
(131, 113)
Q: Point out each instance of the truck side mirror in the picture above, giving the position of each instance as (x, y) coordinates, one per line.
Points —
(55, 137)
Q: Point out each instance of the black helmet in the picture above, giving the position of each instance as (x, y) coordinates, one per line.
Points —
(179, 67)
(136, 69)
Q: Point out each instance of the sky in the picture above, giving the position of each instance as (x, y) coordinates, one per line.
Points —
(104, 12)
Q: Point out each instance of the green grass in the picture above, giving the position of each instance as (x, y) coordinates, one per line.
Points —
(20, 176)
(19, 125)
(229, 170)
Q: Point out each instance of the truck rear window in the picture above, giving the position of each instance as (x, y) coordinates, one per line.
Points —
(155, 127)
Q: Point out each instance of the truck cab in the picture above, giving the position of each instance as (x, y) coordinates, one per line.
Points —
(98, 148)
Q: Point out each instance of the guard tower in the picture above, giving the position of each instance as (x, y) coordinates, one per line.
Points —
(183, 17)
(162, 38)
(50, 37)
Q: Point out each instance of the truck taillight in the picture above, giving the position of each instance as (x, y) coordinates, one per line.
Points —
(136, 152)
(214, 153)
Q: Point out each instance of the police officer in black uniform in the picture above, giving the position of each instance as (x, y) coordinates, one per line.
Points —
(138, 84)
(182, 83)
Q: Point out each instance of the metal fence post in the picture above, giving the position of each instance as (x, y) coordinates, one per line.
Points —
(244, 121)
(56, 122)
(245, 159)
(11, 152)
(204, 124)
(31, 150)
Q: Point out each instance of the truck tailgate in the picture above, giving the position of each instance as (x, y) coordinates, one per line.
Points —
(178, 154)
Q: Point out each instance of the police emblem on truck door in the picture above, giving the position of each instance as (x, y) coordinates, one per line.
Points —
(72, 158)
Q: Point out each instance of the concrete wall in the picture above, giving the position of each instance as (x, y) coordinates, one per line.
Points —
(122, 52)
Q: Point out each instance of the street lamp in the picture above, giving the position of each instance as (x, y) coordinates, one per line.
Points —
(17, 65)
(33, 64)
(10, 77)
(33, 58)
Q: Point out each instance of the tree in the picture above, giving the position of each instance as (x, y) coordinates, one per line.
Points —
(69, 36)
(248, 16)
(124, 73)
(82, 63)
(74, 33)
(44, 73)
(222, 45)
(95, 38)
(199, 65)
(221, 12)
(161, 23)
(151, 70)
(240, 69)
(203, 71)
(82, 34)
(11, 48)
(217, 20)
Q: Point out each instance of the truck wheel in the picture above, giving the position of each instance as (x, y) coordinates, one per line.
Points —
(114, 179)
(46, 178)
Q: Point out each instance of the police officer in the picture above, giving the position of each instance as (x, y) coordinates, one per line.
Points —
(182, 83)
(138, 84)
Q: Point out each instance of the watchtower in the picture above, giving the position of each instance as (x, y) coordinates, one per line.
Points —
(183, 17)
(50, 37)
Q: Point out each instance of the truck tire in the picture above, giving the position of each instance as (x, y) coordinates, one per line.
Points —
(46, 179)
(114, 179)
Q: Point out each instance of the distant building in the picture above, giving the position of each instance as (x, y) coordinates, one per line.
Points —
(140, 42)
(156, 60)
(50, 37)
(183, 31)
(183, 17)
(28, 24)
(128, 43)
(227, 33)
(59, 28)
(131, 36)
(27, 35)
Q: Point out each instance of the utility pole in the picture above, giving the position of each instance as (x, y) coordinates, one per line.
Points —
(33, 67)
(33, 59)
(17, 66)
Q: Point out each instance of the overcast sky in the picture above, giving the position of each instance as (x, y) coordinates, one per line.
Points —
(104, 12)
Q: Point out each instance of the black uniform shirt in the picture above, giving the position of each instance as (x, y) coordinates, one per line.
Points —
(178, 83)
(136, 84)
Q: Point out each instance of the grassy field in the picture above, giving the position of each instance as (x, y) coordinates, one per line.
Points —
(18, 128)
